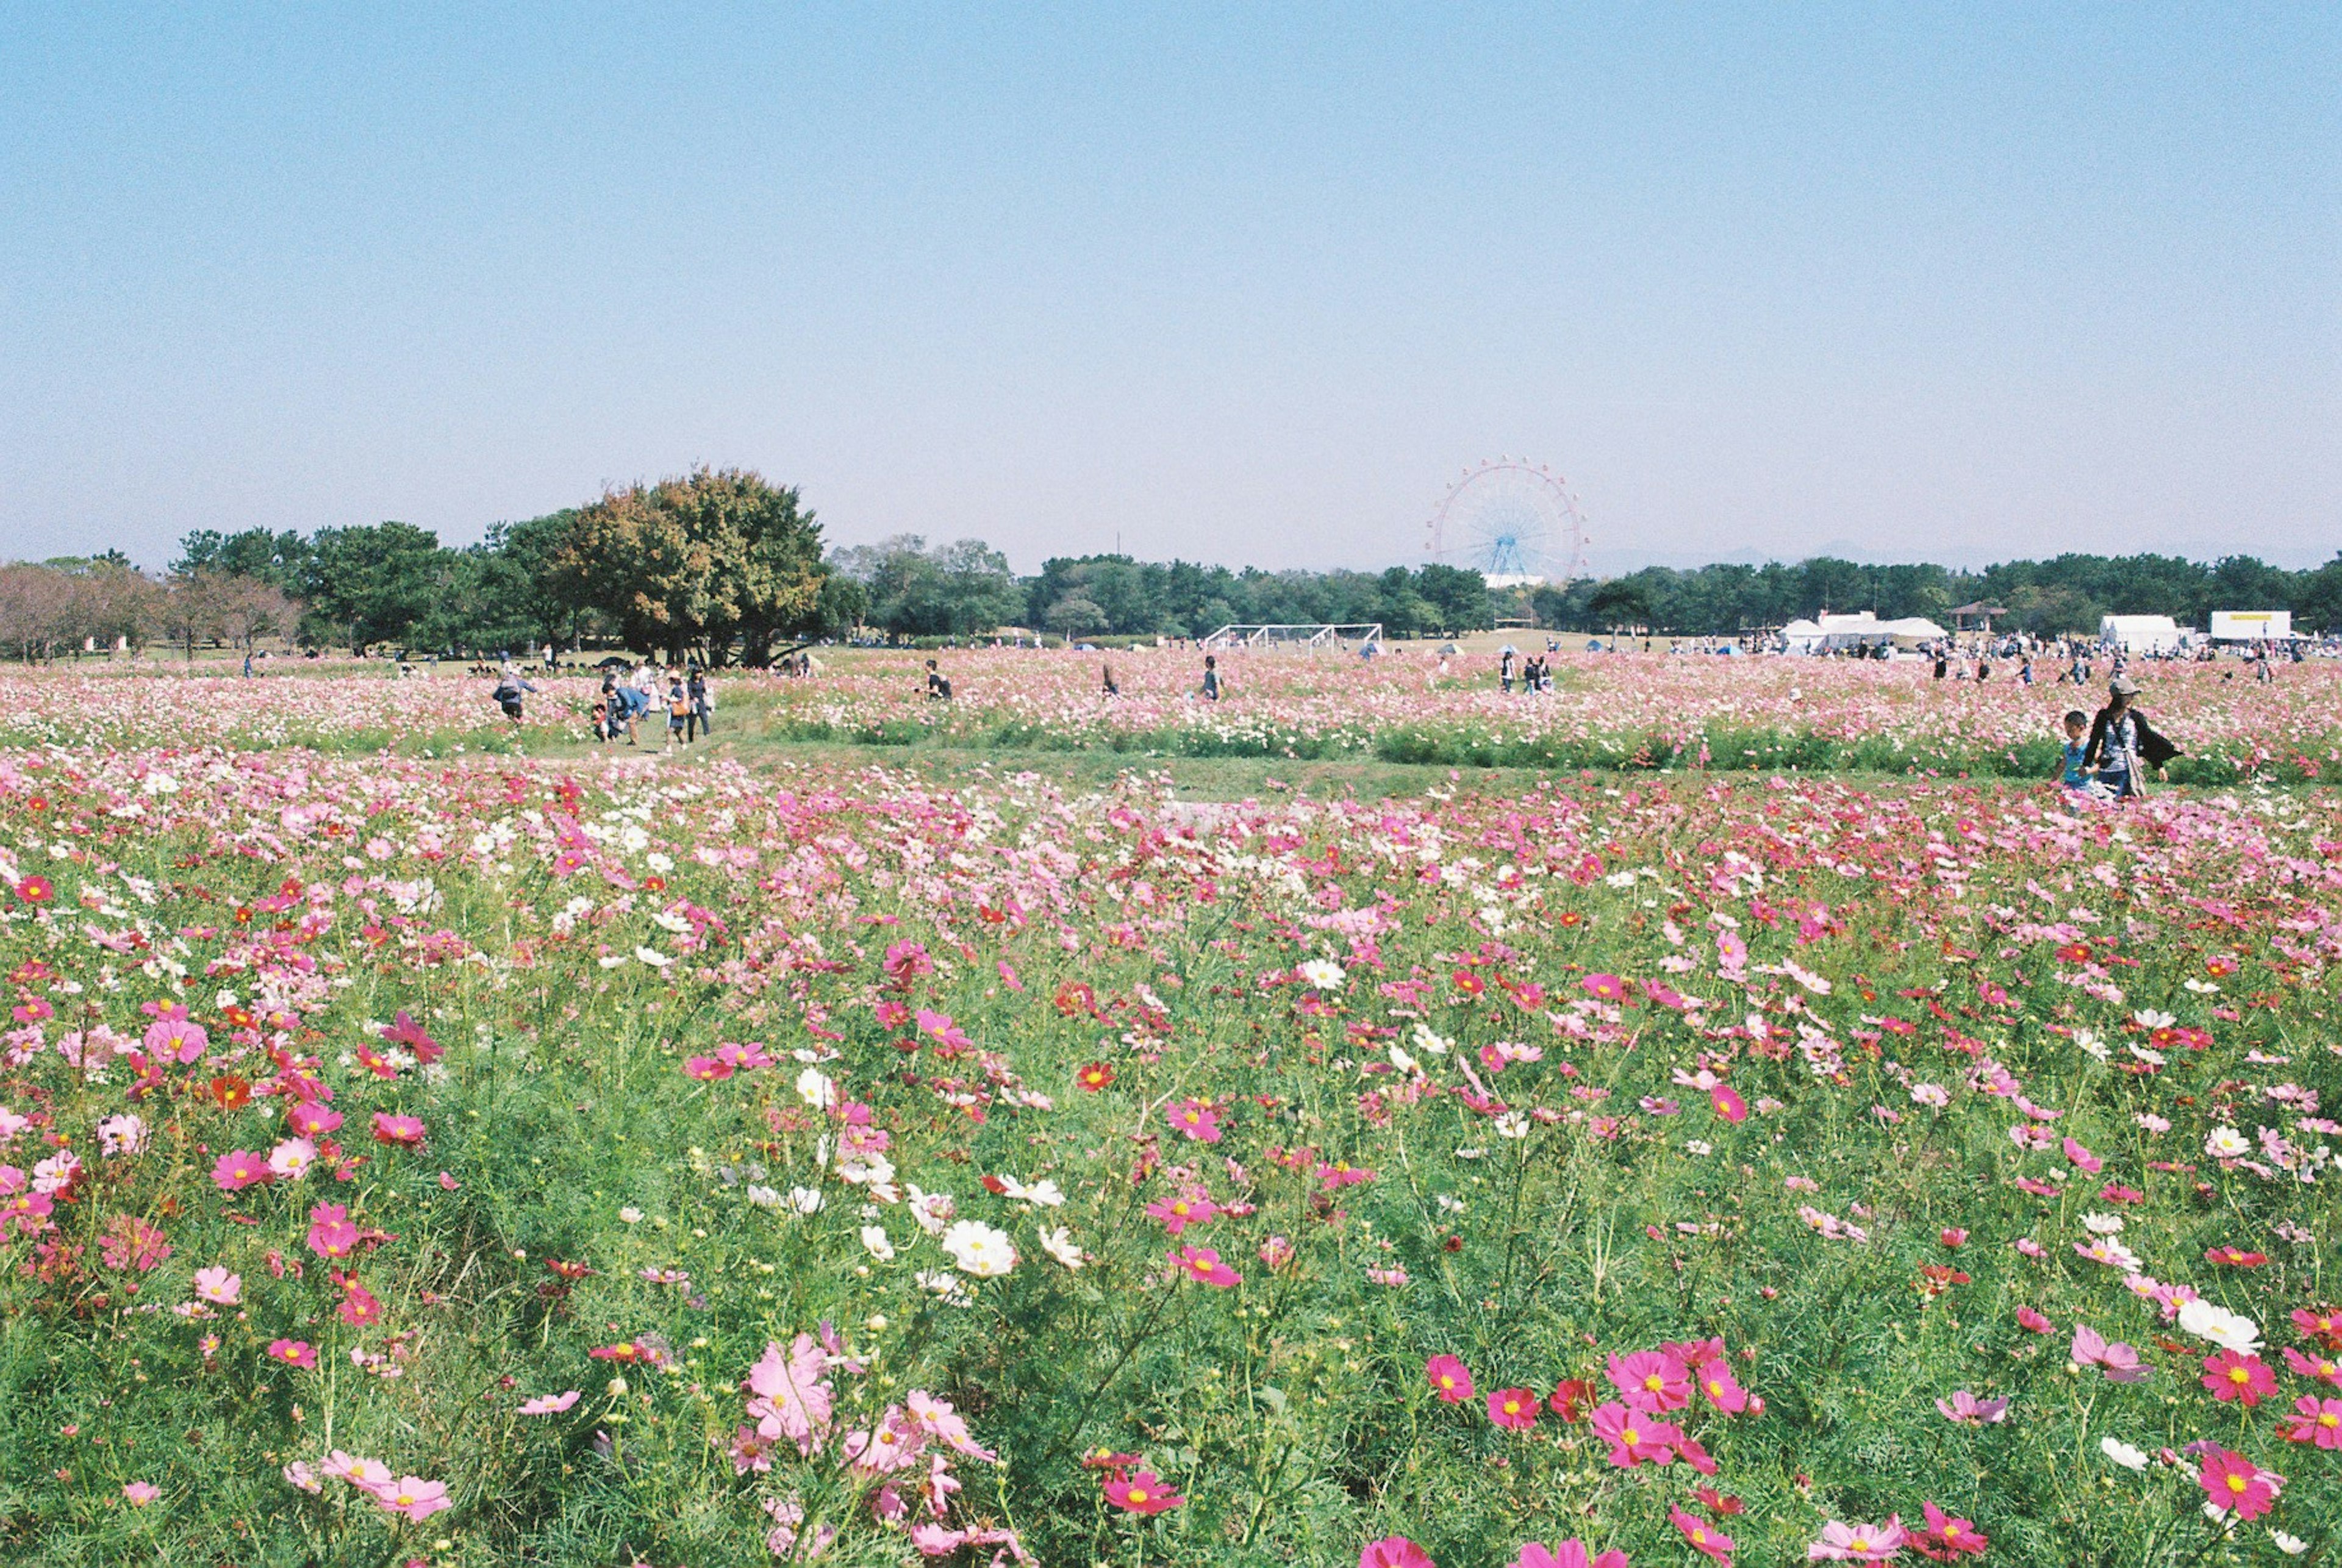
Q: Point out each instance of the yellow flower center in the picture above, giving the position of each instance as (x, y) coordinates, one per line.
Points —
(1446, 1381)
(1630, 1437)
(2237, 1483)
(1138, 1494)
(1699, 1537)
(1654, 1383)
(1513, 1407)
(2329, 1420)
(1951, 1528)
(2240, 1376)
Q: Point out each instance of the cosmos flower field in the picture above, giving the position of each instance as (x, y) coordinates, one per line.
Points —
(526, 1153)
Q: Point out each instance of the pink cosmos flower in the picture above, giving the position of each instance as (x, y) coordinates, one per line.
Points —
(2033, 1322)
(139, 1493)
(1141, 1491)
(1203, 1263)
(2119, 1362)
(298, 1474)
(297, 1353)
(1569, 1553)
(1703, 1538)
(218, 1286)
(1844, 1542)
(1604, 987)
(1514, 1409)
(2083, 1157)
(1650, 1381)
(2234, 1484)
(308, 1119)
(175, 1040)
(414, 1497)
(551, 1404)
(1276, 1253)
(365, 1474)
(792, 1397)
(708, 1069)
(2313, 1420)
(1451, 1380)
(239, 1169)
(1393, 1551)
(398, 1130)
(1728, 1105)
(1968, 1409)
(1723, 1391)
(1197, 1119)
(2244, 1378)
(1634, 1436)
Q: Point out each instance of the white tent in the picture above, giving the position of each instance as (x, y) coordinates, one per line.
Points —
(2141, 634)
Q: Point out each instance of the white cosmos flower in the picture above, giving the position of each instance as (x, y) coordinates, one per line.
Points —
(977, 1249)
(2149, 1018)
(652, 956)
(763, 1197)
(932, 1210)
(951, 1287)
(2226, 1144)
(2291, 1545)
(2230, 1330)
(874, 1238)
(1430, 1042)
(805, 1200)
(1044, 1192)
(2123, 1453)
(1512, 1124)
(2103, 1224)
(1059, 1245)
(863, 1169)
(1323, 974)
(816, 1089)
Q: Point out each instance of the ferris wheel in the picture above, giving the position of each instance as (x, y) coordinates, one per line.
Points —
(1512, 520)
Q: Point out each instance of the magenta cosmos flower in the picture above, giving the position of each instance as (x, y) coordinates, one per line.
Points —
(1947, 1539)
(2234, 1484)
(1393, 1551)
(2313, 1420)
(1703, 1537)
(2244, 1378)
(1514, 1409)
(1141, 1491)
(1197, 1119)
(297, 1353)
(1845, 1543)
(1605, 987)
(1451, 1380)
(1649, 1381)
(405, 1130)
(1634, 1436)
(1728, 1105)
(1723, 1390)
(1569, 1553)
(1203, 1264)
(1182, 1210)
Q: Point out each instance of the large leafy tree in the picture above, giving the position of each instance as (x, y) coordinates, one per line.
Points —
(380, 583)
(695, 562)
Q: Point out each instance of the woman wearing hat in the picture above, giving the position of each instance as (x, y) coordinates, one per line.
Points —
(2122, 745)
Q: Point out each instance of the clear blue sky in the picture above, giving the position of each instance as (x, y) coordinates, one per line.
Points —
(1244, 283)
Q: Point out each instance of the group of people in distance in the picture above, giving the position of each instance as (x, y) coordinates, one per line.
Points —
(688, 704)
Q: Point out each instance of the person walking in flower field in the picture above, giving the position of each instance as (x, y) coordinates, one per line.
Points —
(2121, 743)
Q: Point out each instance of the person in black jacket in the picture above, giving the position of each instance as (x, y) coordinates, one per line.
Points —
(2122, 745)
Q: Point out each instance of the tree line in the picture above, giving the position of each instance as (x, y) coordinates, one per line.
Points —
(719, 565)
(2066, 594)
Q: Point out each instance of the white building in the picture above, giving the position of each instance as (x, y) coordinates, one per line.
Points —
(2142, 634)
